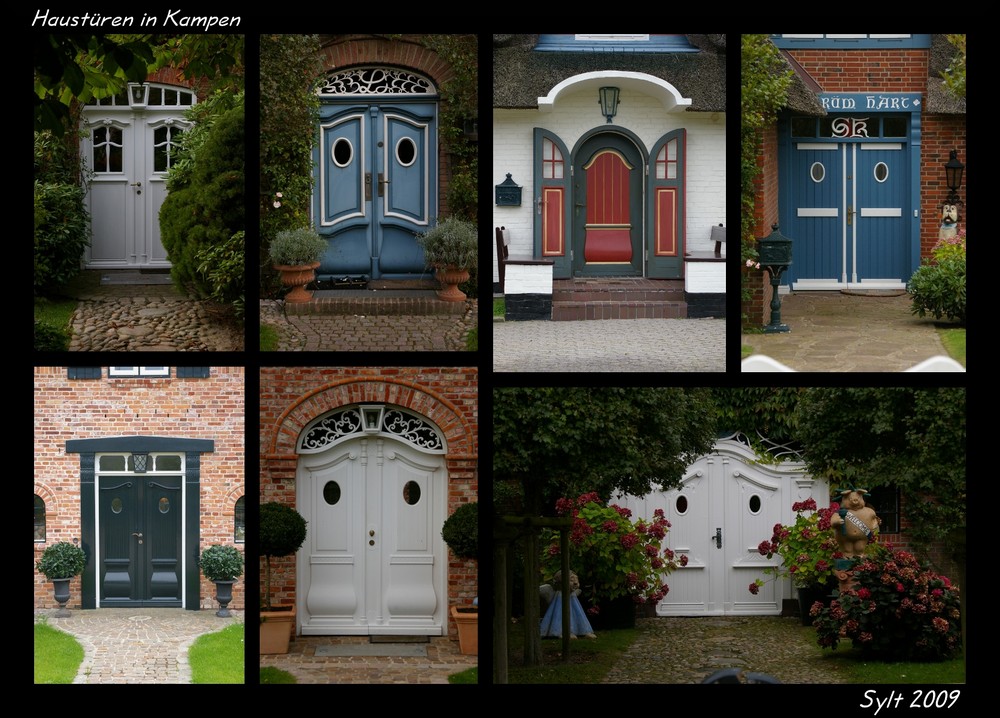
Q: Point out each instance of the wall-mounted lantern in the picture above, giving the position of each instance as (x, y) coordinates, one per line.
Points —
(371, 417)
(138, 93)
(608, 101)
(508, 193)
(953, 170)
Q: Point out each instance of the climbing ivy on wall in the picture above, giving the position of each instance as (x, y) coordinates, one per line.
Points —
(459, 107)
(289, 111)
(765, 80)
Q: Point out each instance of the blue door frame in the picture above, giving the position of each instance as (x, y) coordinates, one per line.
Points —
(850, 193)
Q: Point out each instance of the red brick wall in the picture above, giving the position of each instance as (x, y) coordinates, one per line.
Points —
(290, 398)
(866, 70)
(941, 134)
(405, 52)
(65, 409)
(757, 309)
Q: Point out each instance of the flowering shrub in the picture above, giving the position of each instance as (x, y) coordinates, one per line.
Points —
(898, 610)
(938, 285)
(807, 547)
(612, 556)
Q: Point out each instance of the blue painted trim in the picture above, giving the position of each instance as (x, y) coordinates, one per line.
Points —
(916, 132)
(922, 42)
(655, 43)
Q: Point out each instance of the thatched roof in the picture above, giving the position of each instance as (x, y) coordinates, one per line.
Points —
(521, 75)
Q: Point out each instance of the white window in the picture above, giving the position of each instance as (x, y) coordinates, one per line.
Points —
(139, 371)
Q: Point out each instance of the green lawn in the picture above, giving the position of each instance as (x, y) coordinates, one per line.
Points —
(55, 313)
(954, 343)
(275, 675)
(57, 655)
(498, 308)
(470, 676)
(268, 338)
(218, 657)
(472, 341)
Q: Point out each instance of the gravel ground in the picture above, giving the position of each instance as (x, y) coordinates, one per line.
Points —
(687, 650)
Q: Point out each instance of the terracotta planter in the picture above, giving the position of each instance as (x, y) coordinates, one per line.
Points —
(468, 630)
(276, 630)
(297, 276)
(450, 278)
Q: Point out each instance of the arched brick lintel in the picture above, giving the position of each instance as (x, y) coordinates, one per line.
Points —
(403, 52)
(409, 395)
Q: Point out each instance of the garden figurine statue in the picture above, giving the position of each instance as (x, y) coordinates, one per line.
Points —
(855, 525)
(579, 625)
(949, 221)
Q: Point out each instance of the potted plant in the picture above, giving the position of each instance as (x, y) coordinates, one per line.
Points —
(282, 531)
(461, 532)
(620, 564)
(808, 549)
(452, 248)
(59, 563)
(222, 565)
(296, 254)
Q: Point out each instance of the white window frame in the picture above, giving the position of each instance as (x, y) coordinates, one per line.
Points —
(120, 371)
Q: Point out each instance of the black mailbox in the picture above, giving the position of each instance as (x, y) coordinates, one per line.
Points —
(508, 193)
(775, 249)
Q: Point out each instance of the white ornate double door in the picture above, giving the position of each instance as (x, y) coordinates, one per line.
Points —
(374, 561)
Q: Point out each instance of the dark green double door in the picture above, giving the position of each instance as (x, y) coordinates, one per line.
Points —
(140, 545)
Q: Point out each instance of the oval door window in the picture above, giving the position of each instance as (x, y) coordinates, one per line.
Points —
(681, 504)
(755, 504)
(331, 493)
(406, 152)
(881, 172)
(116, 505)
(411, 492)
(817, 172)
(343, 152)
(164, 505)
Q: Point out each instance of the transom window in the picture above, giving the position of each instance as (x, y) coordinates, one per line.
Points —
(140, 463)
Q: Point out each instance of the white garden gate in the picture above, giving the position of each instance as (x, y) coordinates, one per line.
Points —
(726, 505)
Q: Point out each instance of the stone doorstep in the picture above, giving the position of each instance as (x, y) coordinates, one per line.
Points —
(570, 311)
(333, 302)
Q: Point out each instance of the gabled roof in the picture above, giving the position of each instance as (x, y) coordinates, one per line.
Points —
(521, 75)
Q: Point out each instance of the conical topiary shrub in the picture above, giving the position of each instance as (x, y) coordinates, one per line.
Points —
(282, 532)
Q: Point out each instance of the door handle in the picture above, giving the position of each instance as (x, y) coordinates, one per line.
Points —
(850, 214)
(368, 186)
(382, 181)
(136, 184)
(717, 538)
(371, 534)
(139, 535)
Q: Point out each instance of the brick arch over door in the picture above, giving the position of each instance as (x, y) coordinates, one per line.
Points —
(279, 441)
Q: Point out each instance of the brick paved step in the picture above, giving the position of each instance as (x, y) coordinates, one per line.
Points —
(375, 303)
(618, 298)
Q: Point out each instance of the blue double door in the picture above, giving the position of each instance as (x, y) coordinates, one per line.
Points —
(375, 189)
(849, 215)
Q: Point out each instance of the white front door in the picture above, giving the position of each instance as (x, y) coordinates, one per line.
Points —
(127, 148)
(726, 505)
(374, 561)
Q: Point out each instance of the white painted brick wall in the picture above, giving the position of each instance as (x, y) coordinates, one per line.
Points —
(705, 277)
(577, 113)
(528, 279)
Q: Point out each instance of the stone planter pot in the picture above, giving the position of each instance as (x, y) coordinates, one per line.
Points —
(61, 590)
(450, 278)
(297, 276)
(224, 594)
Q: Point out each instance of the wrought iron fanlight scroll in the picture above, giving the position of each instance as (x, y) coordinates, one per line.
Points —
(375, 81)
(345, 423)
